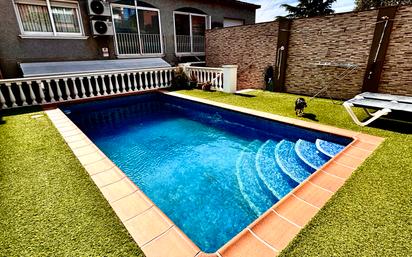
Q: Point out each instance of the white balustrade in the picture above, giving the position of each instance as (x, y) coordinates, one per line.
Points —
(51, 89)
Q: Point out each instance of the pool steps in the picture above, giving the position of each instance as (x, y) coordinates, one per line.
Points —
(270, 173)
(267, 171)
(328, 148)
(252, 188)
(309, 154)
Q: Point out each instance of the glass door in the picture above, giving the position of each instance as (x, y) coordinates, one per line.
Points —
(137, 30)
(127, 33)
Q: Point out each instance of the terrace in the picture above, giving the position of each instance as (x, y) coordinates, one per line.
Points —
(369, 211)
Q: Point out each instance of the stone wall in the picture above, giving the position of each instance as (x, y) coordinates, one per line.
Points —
(344, 38)
(251, 47)
(397, 70)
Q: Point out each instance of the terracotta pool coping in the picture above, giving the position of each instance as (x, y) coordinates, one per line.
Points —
(158, 236)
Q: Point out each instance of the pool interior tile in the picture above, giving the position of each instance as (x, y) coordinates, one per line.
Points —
(131, 206)
(118, 190)
(296, 210)
(275, 230)
(313, 195)
(170, 244)
(147, 226)
(247, 245)
(107, 177)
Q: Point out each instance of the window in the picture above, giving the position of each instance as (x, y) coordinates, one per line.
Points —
(190, 31)
(137, 30)
(49, 18)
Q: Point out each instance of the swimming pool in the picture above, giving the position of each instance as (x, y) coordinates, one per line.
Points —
(211, 171)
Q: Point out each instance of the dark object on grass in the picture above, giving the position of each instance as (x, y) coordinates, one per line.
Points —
(269, 78)
(300, 105)
(206, 86)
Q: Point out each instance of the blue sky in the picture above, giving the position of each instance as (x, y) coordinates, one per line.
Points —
(271, 8)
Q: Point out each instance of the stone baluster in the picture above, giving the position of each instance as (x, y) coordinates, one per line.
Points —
(146, 83)
(22, 96)
(66, 89)
(11, 95)
(134, 82)
(75, 92)
(82, 88)
(151, 79)
(89, 80)
(110, 84)
(41, 91)
(50, 90)
(140, 81)
(31, 92)
(116, 83)
(161, 78)
(104, 85)
(156, 74)
(123, 83)
(2, 100)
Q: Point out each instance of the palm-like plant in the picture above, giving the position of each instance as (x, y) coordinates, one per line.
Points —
(309, 8)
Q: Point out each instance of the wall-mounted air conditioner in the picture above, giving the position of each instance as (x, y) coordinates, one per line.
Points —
(98, 7)
(102, 28)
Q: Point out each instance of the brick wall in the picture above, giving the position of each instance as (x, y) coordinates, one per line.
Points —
(397, 70)
(251, 47)
(343, 38)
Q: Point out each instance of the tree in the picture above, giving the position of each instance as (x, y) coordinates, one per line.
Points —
(309, 8)
(362, 5)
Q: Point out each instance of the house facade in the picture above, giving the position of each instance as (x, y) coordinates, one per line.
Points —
(73, 30)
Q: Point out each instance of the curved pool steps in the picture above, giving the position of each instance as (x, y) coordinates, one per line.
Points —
(289, 161)
(252, 188)
(309, 154)
(270, 173)
(328, 148)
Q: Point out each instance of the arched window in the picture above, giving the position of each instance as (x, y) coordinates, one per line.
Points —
(190, 27)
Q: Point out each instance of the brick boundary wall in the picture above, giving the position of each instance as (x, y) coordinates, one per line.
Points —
(397, 69)
(251, 47)
(345, 37)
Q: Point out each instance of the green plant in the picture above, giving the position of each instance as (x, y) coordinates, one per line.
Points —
(180, 79)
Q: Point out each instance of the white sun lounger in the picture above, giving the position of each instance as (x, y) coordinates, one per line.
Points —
(383, 103)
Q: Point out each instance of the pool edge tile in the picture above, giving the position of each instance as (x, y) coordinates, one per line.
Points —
(170, 244)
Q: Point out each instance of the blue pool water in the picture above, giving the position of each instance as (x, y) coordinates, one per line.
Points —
(212, 171)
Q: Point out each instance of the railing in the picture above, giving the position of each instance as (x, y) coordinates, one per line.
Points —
(190, 44)
(129, 43)
(206, 74)
(52, 89)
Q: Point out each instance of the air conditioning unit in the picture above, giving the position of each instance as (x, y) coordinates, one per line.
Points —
(98, 7)
(102, 28)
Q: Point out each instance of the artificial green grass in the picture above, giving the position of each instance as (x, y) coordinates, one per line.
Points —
(371, 215)
(48, 204)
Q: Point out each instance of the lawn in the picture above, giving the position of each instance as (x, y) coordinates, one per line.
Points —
(49, 205)
(371, 215)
